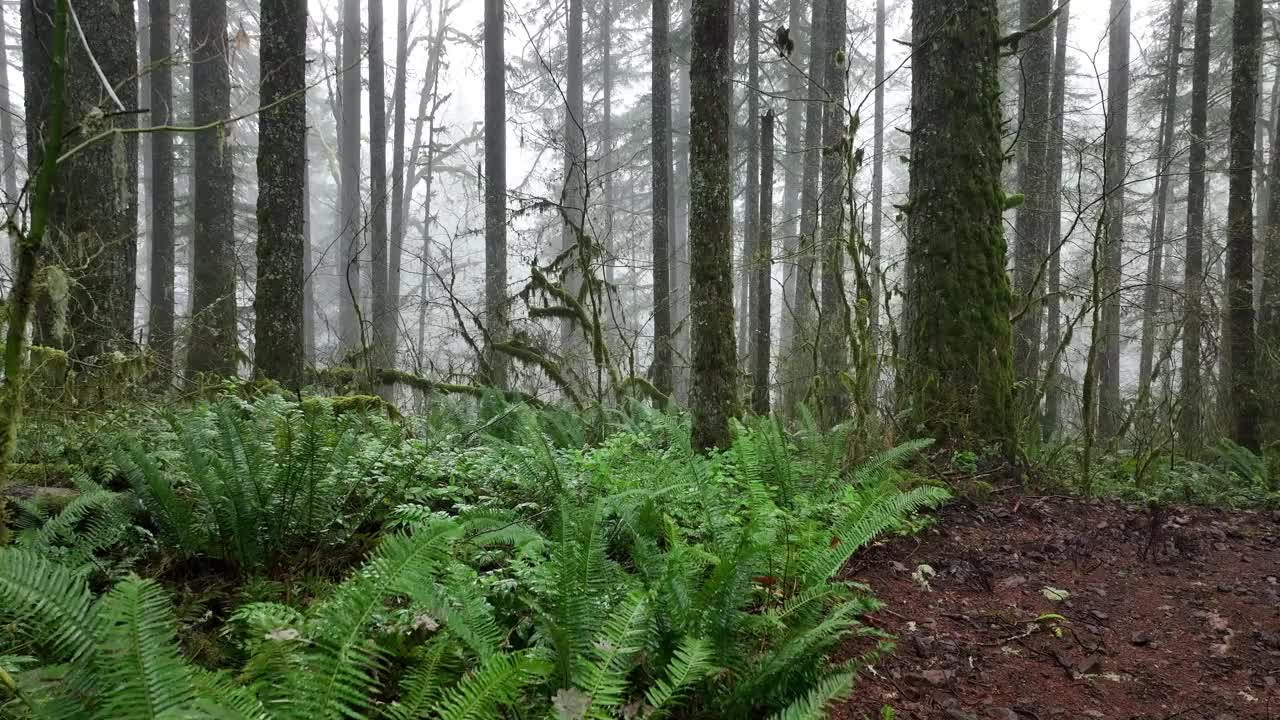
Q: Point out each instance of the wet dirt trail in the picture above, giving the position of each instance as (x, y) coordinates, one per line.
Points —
(1047, 608)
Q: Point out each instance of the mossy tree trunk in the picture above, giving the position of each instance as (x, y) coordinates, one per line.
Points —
(350, 221)
(715, 369)
(279, 345)
(94, 217)
(958, 375)
(1192, 419)
(213, 323)
(660, 120)
(383, 320)
(833, 346)
(160, 323)
(1241, 333)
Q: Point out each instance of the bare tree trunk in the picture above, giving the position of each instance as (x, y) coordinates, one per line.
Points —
(1053, 325)
(213, 321)
(762, 263)
(792, 174)
(350, 224)
(308, 273)
(8, 139)
(395, 251)
(877, 171)
(160, 318)
(751, 201)
(495, 199)
(799, 356)
(384, 320)
(573, 199)
(1192, 420)
(660, 121)
(833, 345)
(1032, 241)
(1241, 335)
(679, 247)
(1164, 157)
(1110, 409)
(282, 167)
(715, 368)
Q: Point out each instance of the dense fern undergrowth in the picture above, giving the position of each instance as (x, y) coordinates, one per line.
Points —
(273, 558)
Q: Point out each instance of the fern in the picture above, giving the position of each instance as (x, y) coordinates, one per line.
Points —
(54, 602)
(138, 667)
(813, 706)
(494, 684)
(689, 664)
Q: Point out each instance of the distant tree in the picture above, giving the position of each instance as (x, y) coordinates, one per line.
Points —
(160, 323)
(713, 391)
(877, 167)
(573, 199)
(495, 199)
(958, 369)
(383, 322)
(1241, 333)
(350, 220)
(389, 319)
(751, 209)
(1192, 419)
(282, 166)
(1110, 410)
(94, 222)
(762, 263)
(1053, 323)
(660, 111)
(832, 340)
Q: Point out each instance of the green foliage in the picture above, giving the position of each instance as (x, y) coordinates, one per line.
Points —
(529, 563)
(1226, 475)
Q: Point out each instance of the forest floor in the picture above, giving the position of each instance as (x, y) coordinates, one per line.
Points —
(1190, 631)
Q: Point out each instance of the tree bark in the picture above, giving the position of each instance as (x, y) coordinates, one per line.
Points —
(8, 138)
(679, 247)
(799, 355)
(762, 263)
(213, 322)
(282, 166)
(573, 199)
(395, 254)
(495, 200)
(1192, 419)
(959, 374)
(1241, 334)
(1032, 240)
(832, 339)
(877, 171)
(1110, 409)
(1164, 157)
(94, 218)
(383, 320)
(161, 311)
(660, 121)
(1053, 324)
(792, 173)
(714, 379)
(751, 210)
(350, 223)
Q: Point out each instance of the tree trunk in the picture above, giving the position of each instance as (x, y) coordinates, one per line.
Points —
(160, 335)
(714, 380)
(94, 218)
(1032, 241)
(1053, 325)
(1192, 420)
(833, 345)
(351, 223)
(751, 211)
(573, 199)
(660, 121)
(1241, 334)
(384, 320)
(395, 250)
(8, 139)
(762, 263)
(679, 247)
(308, 272)
(282, 167)
(959, 374)
(1164, 157)
(1110, 409)
(213, 322)
(1269, 295)
(799, 355)
(877, 171)
(792, 173)
(495, 199)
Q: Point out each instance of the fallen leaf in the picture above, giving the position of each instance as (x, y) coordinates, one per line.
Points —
(1054, 594)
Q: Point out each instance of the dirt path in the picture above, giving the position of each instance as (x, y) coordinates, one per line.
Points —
(1191, 632)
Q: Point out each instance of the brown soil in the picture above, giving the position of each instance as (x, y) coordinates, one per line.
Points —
(1191, 631)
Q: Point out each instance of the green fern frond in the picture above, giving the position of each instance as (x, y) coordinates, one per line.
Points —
(604, 677)
(874, 469)
(495, 684)
(138, 668)
(813, 706)
(54, 602)
(424, 685)
(689, 664)
(860, 527)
